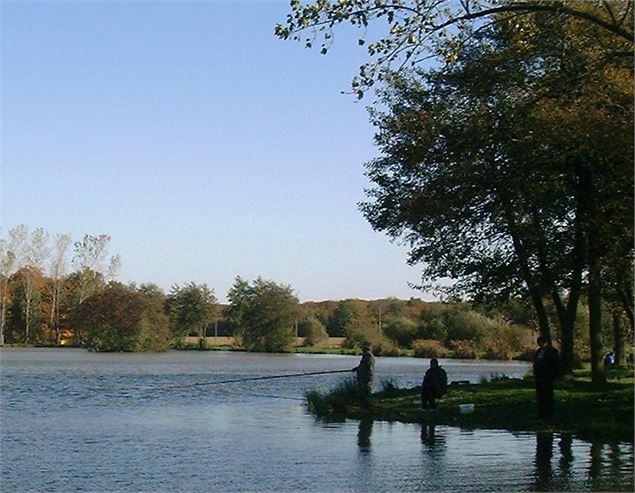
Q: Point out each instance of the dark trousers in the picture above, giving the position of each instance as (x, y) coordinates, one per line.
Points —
(544, 396)
(364, 393)
(428, 398)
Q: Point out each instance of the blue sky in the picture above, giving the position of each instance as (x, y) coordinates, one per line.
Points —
(203, 145)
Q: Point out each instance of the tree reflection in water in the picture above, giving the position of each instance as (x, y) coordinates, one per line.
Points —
(544, 454)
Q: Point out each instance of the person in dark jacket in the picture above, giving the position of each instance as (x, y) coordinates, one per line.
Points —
(546, 369)
(434, 385)
(365, 374)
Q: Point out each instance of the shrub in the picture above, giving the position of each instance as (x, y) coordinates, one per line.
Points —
(315, 332)
(429, 348)
(581, 353)
(333, 403)
(464, 349)
(386, 347)
(527, 353)
(499, 349)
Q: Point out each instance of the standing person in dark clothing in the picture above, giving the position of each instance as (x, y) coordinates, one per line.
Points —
(434, 385)
(365, 374)
(546, 369)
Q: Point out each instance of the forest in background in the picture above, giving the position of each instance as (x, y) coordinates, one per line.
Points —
(55, 292)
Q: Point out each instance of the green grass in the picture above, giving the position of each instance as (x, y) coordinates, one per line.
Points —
(588, 411)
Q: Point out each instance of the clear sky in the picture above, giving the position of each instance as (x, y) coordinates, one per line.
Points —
(203, 145)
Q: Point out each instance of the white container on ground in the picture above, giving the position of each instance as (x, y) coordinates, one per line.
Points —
(466, 408)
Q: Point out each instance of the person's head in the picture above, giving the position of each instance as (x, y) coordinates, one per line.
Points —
(365, 346)
(541, 341)
(434, 363)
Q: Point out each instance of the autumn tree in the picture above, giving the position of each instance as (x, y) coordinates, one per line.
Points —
(36, 250)
(125, 318)
(58, 271)
(93, 269)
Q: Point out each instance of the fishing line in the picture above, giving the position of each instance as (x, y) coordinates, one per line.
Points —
(251, 379)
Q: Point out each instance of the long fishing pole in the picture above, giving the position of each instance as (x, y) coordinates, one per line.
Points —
(269, 377)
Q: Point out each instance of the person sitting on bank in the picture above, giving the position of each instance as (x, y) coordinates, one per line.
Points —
(434, 385)
(365, 374)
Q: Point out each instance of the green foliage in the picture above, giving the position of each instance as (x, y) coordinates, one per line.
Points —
(351, 319)
(192, 308)
(401, 329)
(264, 314)
(334, 403)
(418, 29)
(432, 321)
(154, 332)
(313, 330)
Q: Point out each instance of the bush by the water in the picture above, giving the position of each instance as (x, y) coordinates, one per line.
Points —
(429, 348)
(464, 349)
(334, 403)
(498, 349)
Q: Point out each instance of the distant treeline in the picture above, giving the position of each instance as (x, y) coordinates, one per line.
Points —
(44, 302)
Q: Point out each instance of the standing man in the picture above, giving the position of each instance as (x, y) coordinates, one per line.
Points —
(546, 369)
(434, 385)
(365, 374)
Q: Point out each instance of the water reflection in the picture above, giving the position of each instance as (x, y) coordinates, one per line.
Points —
(544, 454)
(363, 435)
(430, 437)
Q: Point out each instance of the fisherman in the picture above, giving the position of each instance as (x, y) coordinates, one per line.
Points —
(365, 374)
(434, 385)
(546, 368)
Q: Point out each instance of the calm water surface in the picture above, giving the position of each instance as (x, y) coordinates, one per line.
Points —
(78, 421)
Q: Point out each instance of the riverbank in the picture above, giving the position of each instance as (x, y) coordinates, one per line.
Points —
(589, 412)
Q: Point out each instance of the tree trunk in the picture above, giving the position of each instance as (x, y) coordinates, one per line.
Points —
(534, 292)
(595, 324)
(618, 337)
(592, 222)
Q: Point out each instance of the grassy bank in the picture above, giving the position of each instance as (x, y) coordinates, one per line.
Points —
(589, 412)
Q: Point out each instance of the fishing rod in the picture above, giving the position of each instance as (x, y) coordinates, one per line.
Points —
(269, 377)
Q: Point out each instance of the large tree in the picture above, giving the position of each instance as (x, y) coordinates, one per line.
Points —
(504, 182)
(11, 256)
(93, 269)
(120, 318)
(264, 314)
(499, 165)
(192, 308)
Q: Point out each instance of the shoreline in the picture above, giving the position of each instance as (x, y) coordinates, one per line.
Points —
(581, 409)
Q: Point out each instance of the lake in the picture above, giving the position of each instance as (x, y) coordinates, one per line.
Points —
(72, 420)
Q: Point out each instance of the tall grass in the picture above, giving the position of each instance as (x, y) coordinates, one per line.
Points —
(335, 402)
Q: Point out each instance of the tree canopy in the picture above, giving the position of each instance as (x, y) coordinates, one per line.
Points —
(416, 31)
(264, 314)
